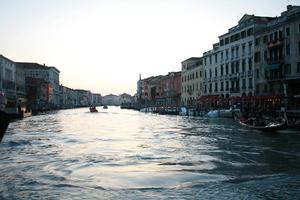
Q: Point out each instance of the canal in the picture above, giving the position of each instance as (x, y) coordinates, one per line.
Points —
(125, 154)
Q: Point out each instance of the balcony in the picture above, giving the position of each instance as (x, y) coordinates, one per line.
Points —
(274, 78)
(276, 60)
(274, 44)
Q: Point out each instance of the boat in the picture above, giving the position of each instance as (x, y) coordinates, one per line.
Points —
(264, 125)
(105, 107)
(93, 109)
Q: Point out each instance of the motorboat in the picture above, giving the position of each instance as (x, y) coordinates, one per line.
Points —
(93, 109)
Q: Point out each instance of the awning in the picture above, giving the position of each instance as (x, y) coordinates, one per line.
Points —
(273, 66)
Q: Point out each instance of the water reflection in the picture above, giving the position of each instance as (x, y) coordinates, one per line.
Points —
(75, 153)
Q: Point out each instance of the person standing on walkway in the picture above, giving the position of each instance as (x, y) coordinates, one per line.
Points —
(4, 119)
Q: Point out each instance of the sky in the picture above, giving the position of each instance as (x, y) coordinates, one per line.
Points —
(103, 45)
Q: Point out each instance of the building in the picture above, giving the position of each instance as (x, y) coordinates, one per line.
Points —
(48, 74)
(277, 55)
(83, 97)
(126, 99)
(39, 94)
(68, 97)
(171, 89)
(191, 80)
(8, 82)
(150, 89)
(111, 100)
(96, 99)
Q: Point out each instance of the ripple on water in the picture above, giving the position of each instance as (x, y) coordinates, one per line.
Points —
(74, 154)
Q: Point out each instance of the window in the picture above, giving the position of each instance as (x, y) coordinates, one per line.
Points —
(243, 65)
(287, 49)
(249, 31)
(222, 86)
(210, 74)
(250, 47)
(205, 74)
(227, 85)
(250, 63)
(280, 35)
(227, 55)
(237, 51)
(205, 88)
(257, 73)
(226, 40)
(244, 84)
(271, 37)
(210, 87)
(287, 69)
(232, 53)
(216, 72)
(250, 83)
(265, 55)
(265, 39)
(221, 42)
(222, 70)
(210, 60)
(275, 36)
(237, 66)
(196, 74)
(8, 74)
(216, 58)
(298, 47)
(243, 34)
(298, 67)
(204, 61)
(227, 70)
(232, 68)
(287, 31)
(222, 55)
(216, 87)
(257, 57)
(256, 41)
(243, 49)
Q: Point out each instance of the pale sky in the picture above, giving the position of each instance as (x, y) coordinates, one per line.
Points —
(103, 45)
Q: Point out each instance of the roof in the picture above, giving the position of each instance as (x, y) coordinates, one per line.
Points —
(29, 65)
(3, 57)
(192, 58)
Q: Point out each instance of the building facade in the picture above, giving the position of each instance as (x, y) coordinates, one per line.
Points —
(8, 81)
(191, 80)
(48, 74)
(111, 100)
(277, 55)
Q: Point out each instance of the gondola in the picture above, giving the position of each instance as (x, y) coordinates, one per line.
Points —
(268, 127)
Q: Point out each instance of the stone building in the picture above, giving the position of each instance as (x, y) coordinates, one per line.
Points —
(8, 82)
(191, 80)
(277, 55)
(48, 74)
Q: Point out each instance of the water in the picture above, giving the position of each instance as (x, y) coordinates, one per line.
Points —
(124, 154)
